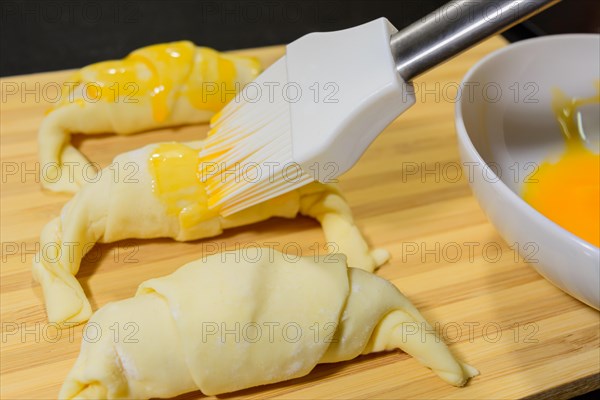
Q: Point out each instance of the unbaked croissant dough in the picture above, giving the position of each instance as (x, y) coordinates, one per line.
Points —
(155, 192)
(153, 87)
(220, 327)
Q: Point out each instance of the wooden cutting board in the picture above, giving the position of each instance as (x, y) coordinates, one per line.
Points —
(525, 336)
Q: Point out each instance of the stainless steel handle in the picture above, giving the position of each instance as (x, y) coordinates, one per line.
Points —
(454, 28)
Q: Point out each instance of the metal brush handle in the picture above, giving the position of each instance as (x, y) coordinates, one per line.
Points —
(454, 28)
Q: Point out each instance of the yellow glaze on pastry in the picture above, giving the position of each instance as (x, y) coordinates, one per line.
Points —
(159, 71)
(222, 327)
(153, 87)
(174, 170)
(165, 198)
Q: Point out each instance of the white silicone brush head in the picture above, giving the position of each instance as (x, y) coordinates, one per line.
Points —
(247, 157)
(310, 116)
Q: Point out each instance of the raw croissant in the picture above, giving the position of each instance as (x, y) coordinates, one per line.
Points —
(219, 327)
(153, 87)
(155, 192)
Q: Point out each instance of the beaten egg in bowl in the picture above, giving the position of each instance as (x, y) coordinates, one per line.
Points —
(567, 191)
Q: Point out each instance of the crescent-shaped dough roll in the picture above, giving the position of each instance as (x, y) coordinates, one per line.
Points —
(155, 192)
(153, 87)
(219, 327)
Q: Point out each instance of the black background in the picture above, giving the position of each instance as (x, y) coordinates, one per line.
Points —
(51, 35)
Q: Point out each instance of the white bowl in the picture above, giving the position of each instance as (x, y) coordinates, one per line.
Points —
(506, 127)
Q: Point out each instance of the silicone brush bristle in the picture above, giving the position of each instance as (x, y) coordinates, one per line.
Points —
(247, 157)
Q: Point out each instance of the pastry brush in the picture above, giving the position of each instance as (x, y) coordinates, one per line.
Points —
(313, 113)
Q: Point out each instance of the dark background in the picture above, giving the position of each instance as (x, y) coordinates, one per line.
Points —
(51, 35)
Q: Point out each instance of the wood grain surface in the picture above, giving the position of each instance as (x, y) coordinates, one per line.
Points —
(526, 337)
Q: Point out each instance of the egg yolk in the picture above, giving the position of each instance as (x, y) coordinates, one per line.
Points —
(163, 73)
(174, 170)
(567, 191)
